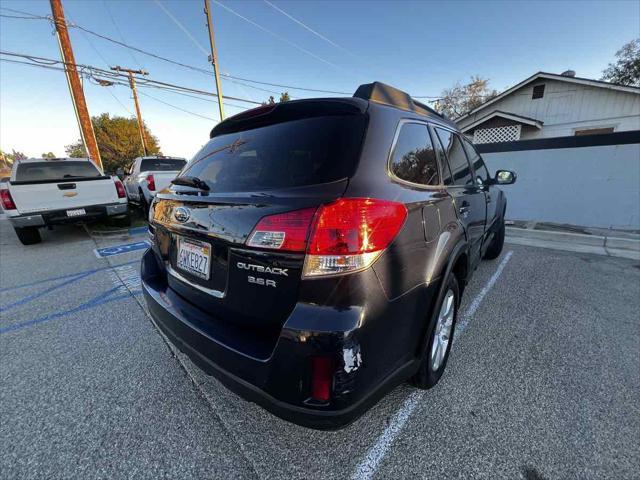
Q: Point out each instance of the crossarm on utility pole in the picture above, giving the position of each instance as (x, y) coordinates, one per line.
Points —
(132, 84)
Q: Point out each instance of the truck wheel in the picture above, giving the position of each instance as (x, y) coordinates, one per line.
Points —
(495, 247)
(439, 336)
(28, 235)
(144, 205)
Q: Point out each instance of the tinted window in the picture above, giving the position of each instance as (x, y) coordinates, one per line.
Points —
(456, 156)
(55, 170)
(476, 161)
(414, 159)
(309, 151)
(162, 164)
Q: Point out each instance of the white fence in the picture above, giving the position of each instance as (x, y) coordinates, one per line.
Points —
(595, 186)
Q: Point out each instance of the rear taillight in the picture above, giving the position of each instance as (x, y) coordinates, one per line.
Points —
(346, 235)
(321, 378)
(120, 189)
(7, 200)
(151, 183)
(349, 234)
(284, 231)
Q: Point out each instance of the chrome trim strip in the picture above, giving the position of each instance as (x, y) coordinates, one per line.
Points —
(210, 291)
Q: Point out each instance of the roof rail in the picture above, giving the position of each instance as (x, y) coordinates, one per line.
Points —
(387, 95)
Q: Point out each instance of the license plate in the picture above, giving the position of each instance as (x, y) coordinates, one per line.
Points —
(194, 257)
(78, 212)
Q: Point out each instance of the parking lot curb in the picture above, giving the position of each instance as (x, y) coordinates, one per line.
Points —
(577, 242)
(118, 232)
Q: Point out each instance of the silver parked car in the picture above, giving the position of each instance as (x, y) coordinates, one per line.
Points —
(148, 175)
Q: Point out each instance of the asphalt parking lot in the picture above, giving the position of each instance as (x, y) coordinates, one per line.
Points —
(542, 381)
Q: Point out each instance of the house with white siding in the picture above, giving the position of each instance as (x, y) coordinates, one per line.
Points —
(549, 105)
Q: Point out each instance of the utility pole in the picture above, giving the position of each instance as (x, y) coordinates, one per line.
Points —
(214, 57)
(75, 86)
(132, 84)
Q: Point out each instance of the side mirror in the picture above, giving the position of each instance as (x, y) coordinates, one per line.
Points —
(505, 177)
(120, 173)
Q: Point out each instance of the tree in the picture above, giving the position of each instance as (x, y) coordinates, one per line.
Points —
(118, 141)
(626, 70)
(49, 155)
(460, 99)
(284, 97)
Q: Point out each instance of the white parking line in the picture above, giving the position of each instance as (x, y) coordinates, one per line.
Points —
(367, 468)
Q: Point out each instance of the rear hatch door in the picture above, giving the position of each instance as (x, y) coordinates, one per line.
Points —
(252, 173)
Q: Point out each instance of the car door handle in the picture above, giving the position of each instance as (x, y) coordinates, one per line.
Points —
(488, 198)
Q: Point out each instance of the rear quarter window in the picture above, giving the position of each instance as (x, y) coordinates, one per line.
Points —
(302, 152)
(413, 158)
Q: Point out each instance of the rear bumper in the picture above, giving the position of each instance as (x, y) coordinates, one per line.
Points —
(58, 217)
(278, 383)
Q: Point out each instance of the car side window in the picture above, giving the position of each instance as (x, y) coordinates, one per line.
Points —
(414, 158)
(458, 163)
(482, 174)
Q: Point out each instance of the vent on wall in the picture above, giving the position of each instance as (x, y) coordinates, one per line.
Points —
(538, 92)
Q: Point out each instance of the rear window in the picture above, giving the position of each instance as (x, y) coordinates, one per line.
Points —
(162, 164)
(303, 152)
(55, 171)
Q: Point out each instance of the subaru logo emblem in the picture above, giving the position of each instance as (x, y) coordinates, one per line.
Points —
(181, 214)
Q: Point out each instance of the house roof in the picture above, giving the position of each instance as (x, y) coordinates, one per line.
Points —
(509, 116)
(552, 76)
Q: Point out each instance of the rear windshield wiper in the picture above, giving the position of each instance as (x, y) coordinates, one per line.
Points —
(194, 182)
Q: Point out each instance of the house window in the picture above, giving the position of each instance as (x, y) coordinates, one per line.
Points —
(594, 131)
(538, 92)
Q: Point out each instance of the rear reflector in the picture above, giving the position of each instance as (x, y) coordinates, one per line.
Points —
(349, 234)
(321, 378)
(284, 231)
(151, 183)
(120, 189)
(7, 200)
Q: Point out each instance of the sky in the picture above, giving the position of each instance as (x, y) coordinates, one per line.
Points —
(421, 47)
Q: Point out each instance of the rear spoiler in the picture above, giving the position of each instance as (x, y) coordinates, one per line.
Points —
(379, 92)
(287, 111)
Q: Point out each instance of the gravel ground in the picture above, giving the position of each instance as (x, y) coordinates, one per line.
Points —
(542, 383)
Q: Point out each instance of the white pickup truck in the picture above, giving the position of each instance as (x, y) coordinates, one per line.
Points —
(147, 175)
(45, 192)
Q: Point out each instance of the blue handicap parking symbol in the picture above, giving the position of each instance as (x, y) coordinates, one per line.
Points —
(120, 249)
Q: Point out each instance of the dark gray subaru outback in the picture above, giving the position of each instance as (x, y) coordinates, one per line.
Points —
(313, 254)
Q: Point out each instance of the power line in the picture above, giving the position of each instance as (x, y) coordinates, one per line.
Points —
(194, 96)
(112, 75)
(194, 68)
(279, 37)
(62, 69)
(226, 76)
(119, 32)
(177, 108)
(308, 28)
(181, 27)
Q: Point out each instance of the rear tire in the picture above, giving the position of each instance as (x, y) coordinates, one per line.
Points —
(497, 243)
(144, 205)
(28, 235)
(439, 336)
